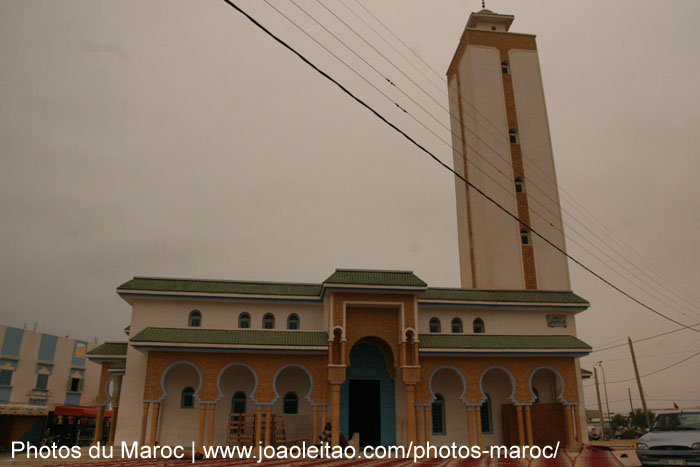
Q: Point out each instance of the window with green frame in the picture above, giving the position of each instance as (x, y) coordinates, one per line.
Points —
(5, 377)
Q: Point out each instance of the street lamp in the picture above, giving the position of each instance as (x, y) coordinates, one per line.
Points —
(607, 405)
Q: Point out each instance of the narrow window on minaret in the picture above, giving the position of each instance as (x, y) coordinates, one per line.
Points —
(519, 185)
(513, 135)
(505, 67)
(525, 237)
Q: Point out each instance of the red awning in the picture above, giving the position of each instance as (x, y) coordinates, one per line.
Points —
(77, 411)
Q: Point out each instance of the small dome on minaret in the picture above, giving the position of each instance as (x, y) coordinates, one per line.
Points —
(487, 20)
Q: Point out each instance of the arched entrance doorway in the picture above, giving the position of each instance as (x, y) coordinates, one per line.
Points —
(367, 395)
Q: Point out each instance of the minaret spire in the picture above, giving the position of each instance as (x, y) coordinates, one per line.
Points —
(483, 4)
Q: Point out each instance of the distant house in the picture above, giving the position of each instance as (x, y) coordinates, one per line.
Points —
(38, 372)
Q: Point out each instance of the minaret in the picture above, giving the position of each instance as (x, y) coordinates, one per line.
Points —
(501, 144)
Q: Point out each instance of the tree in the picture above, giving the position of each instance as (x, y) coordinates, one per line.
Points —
(619, 422)
(638, 419)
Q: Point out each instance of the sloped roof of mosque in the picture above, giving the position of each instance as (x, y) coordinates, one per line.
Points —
(375, 277)
(243, 337)
(232, 337)
(110, 348)
(477, 295)
(348, 277)
(499, 342)
(217, 286)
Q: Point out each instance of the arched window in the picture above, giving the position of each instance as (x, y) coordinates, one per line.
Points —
(486, 420)
(519, 188)
(293, 321)
(456, 326)
(505, 67)
(536, 393)
(238, 402)
(187, 398)
(438, 415)
(479, 327)
(195, 320)
(291, 403)
(513, 135)
(244, 320)
(524, 237)
(434, 325)
(269, 321)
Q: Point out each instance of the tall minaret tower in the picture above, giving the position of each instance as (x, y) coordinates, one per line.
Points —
(501, 144)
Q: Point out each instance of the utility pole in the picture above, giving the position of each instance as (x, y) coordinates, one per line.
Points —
(629, 393)
(600, 406)
(639, 383)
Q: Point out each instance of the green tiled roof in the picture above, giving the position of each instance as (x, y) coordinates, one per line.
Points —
(531, 296)
(369, 277)
(232, 337)
(110, 348)
(118, 365)
(224, 287)
(494, 342)
(350, 277)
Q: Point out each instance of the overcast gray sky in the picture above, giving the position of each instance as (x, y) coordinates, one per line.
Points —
(172, 138)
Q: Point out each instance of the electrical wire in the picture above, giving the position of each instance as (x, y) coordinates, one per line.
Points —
(557, 216)
(646, 338)
(447, 167)
(441, 78)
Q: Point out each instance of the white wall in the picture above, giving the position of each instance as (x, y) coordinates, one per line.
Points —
(497, 321)
(131, 401)
(448, 383)
(221, 314)
(178, 426)
(540, 176)
(295, 380)
(497, 249)
(548, 386)
(498, 386)
(234, 379)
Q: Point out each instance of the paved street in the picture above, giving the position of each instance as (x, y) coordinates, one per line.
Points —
(588, 457)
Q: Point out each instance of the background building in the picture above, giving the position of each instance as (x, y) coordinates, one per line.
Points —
(39, 372)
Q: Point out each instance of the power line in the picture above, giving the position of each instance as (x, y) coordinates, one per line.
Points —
(399, 39)
(653, 372)
(557, 216)
(647, 338)
(441, 78)
(647, 284)
(445, 166)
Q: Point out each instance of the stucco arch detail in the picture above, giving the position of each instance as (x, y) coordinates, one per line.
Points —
(521, 370)
(210, 366)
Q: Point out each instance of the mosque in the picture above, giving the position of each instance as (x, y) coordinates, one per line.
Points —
(381, 355)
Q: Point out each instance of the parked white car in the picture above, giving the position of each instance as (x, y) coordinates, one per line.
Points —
(674, 439)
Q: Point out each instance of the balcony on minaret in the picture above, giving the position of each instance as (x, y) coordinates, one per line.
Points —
(487, 20)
